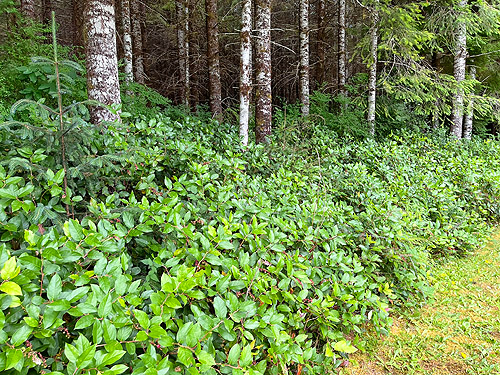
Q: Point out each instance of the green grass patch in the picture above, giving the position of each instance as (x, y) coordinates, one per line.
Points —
(458, 332)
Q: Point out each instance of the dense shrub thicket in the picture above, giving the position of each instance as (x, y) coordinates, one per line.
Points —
(184, 254)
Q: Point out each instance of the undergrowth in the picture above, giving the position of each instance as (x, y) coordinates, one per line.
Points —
(184, 253)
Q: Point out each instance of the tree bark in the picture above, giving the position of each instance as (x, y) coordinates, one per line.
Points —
(245, 69)
(372, 78)
(304, 56)
(459, 74)
(102, 65)
(127, 41)
(263, 95)
(469, 116)
(320, 70)
(213, 59)
(138, 57)
(183, 47)
(78, 8)
(28, 9)
(342, 58)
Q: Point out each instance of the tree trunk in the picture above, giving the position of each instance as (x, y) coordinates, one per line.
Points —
(372, 79)
(213, 59)
(138, 57)
(127, 41)
(304, 56)
(263, 96)
(459, 74)
(245, 69)
(46, 14)
(102, 65)
(28, 9)
(469, 116)
(320, 70)
(342, 58)
(77, 22)
(183, 46)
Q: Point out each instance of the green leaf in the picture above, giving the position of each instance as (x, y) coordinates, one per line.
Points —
(31, 321)
(21, 335)
(11, 288)
(14, 357)
(194, 335)
(87, 356)
(75, 230)
(142, 318)
(112, 357)
(9, 270)
(183, 332)
(55, 287)
(220, 307)
(71, 353)
(206, 358)
(234, 355)
(246, 356)
(344, 347)
(121, 284)
(105, 307)
(85, 321)
(185, 356)
(173, 303)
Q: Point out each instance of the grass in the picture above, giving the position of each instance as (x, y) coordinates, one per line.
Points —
(458, 332)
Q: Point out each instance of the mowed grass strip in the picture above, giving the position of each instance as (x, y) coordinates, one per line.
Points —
(458, 332)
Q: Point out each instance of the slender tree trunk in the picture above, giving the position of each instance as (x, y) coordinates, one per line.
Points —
(102, 65)
(28, 9)
(320, 50)
(342, 62)
(304, 56)
(138, 57)
(245, 69)
(77, 22)
(127, 41)
(459, 74)
(263, 95)
(183, 46)
(213, 59)
(372, 79)
(469, 116)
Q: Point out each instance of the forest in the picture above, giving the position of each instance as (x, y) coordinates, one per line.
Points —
(242, 187)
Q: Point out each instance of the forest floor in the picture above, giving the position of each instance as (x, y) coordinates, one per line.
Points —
(457, 332)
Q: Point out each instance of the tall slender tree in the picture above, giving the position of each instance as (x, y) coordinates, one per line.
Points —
(304, 56)
(213, 58)
(469, 116)
(372, 76)
(342, 47)
(127, 40)
(263, 94)
(102, 64)
(182, 8)
(245, 69)
(137, 47)
(459, 61)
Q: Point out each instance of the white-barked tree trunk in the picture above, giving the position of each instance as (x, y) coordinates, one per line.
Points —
(304, 56)
(245, 69)
(372, 77)
(459, 73)
(102, 65)
(263, 96)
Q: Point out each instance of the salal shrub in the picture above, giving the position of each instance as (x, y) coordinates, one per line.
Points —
(174, 251)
